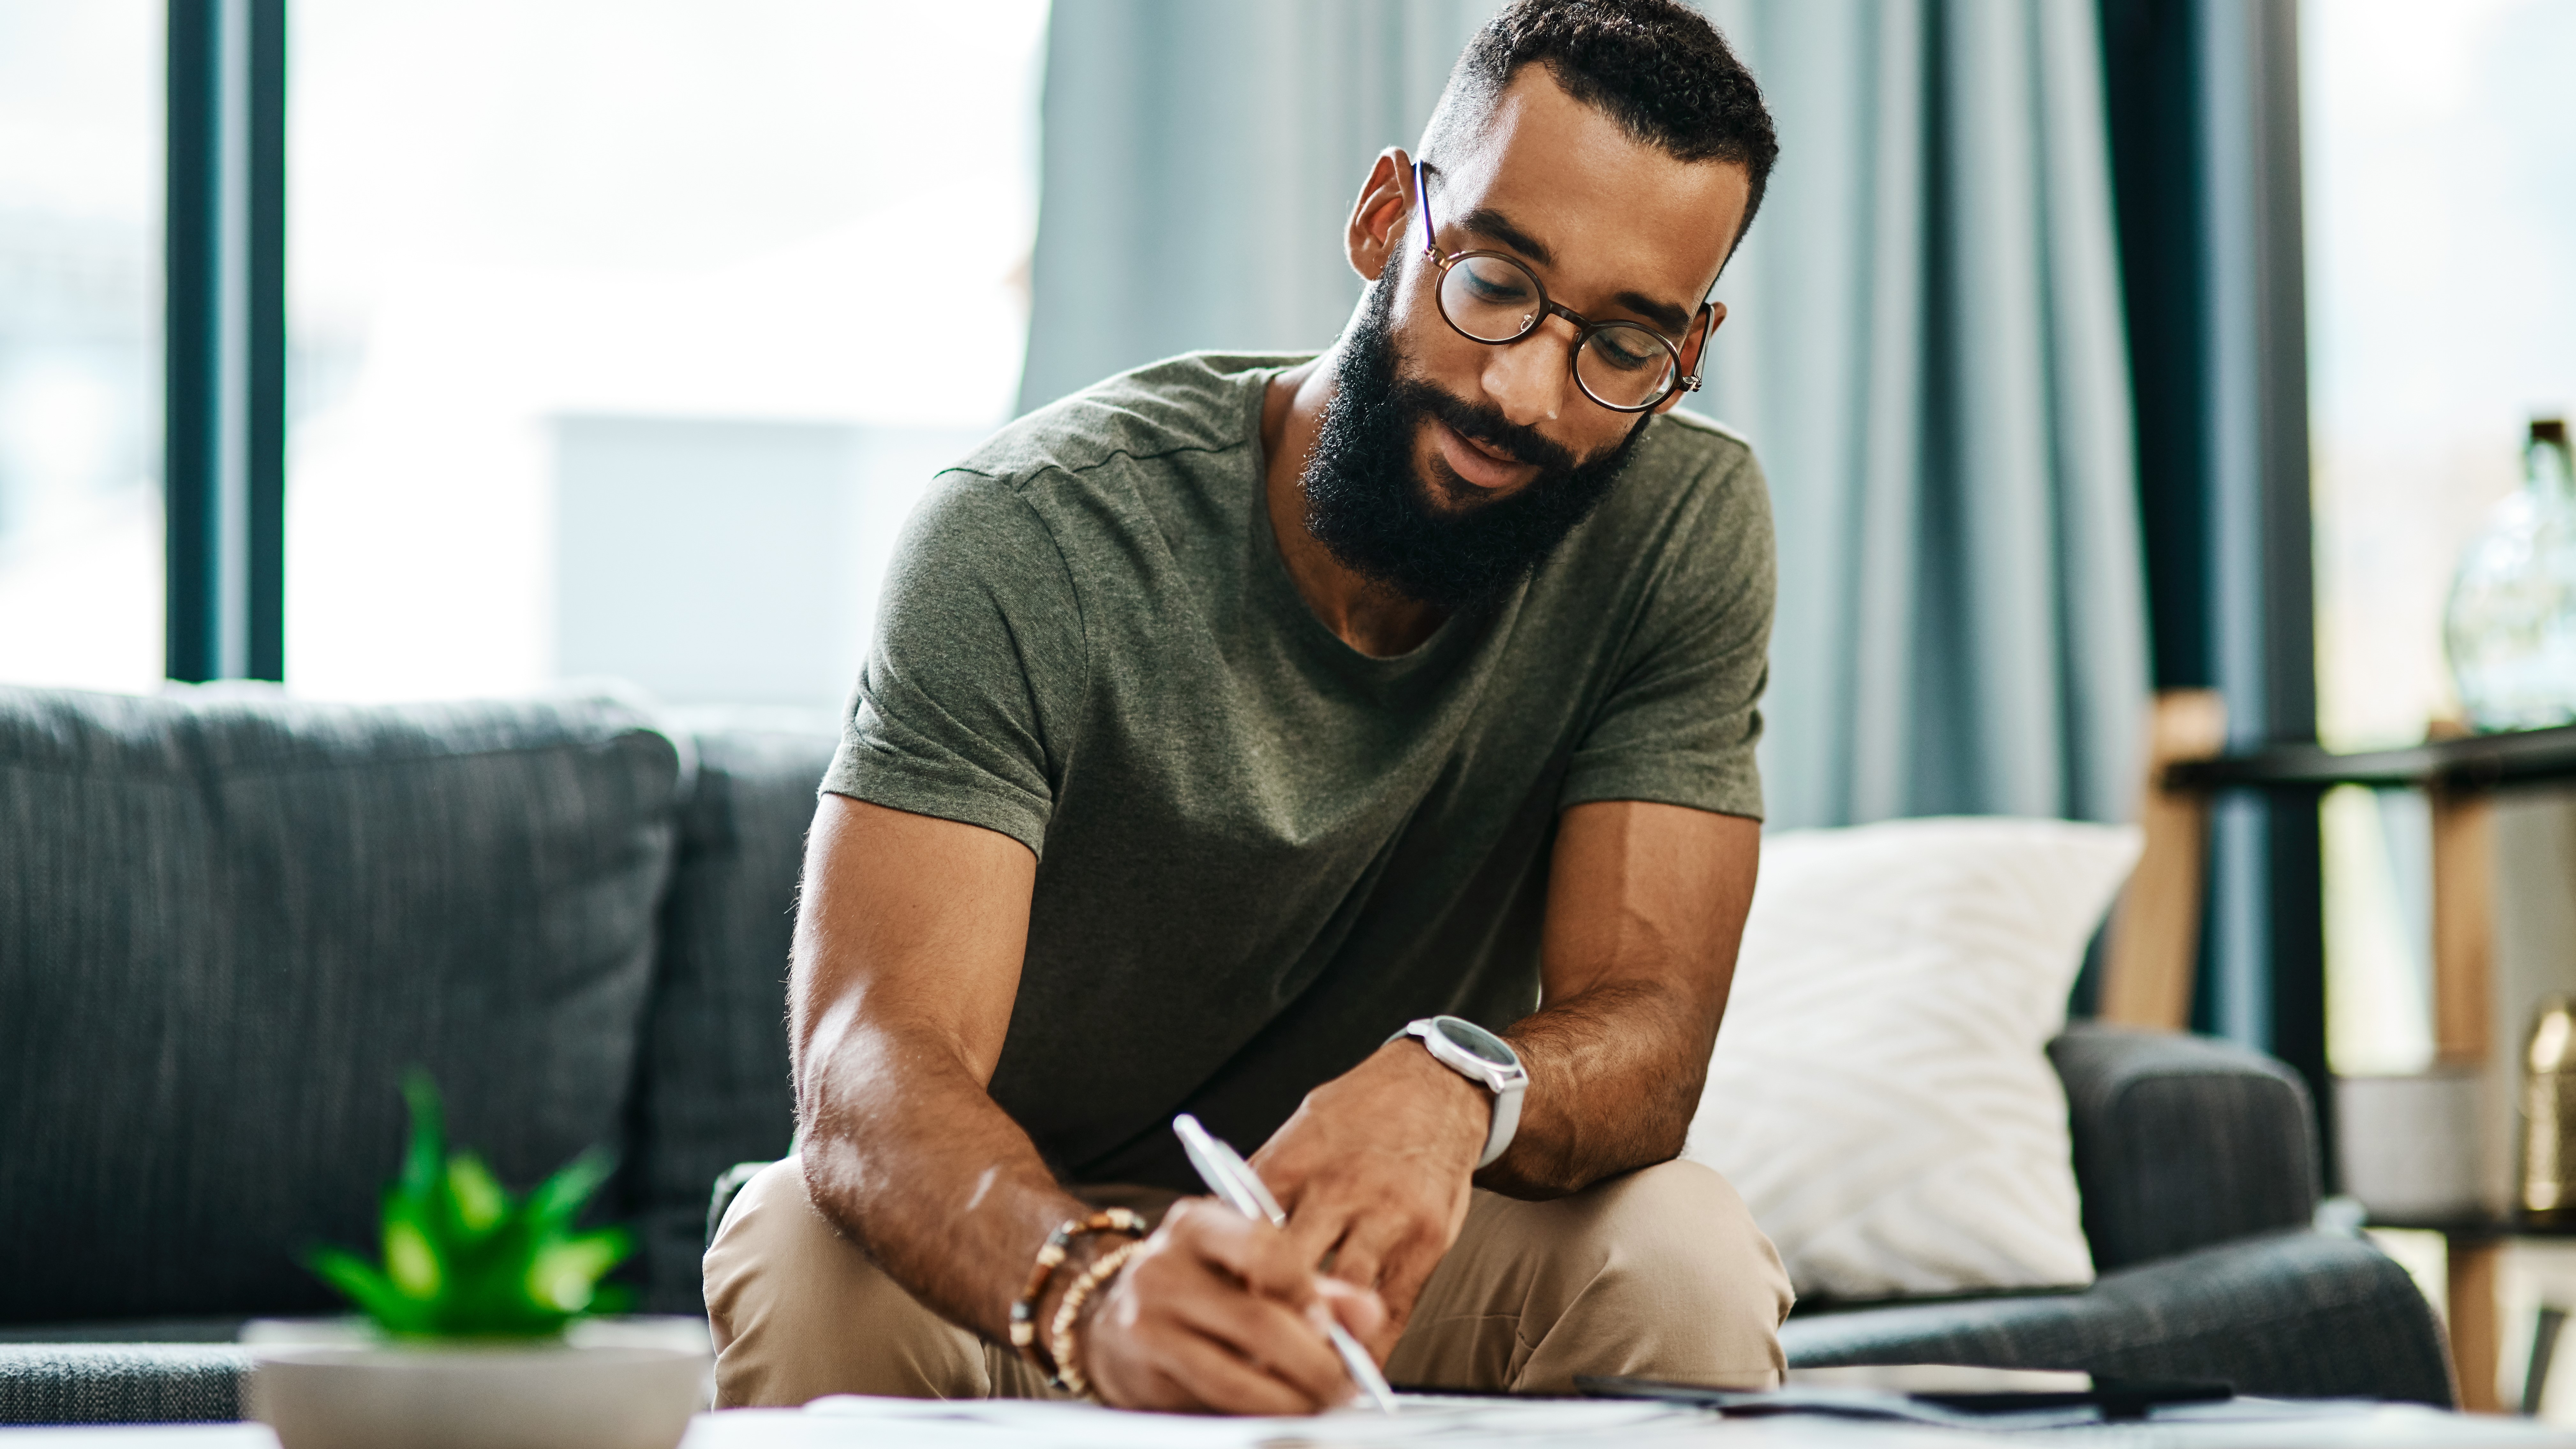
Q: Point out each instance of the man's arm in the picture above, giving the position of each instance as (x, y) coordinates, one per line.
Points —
(909, 939)
(1646, 905)
(1645, 909)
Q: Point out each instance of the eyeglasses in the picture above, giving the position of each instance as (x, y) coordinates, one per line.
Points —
(1489, 297)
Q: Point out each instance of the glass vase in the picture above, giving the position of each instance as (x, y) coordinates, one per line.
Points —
(2511, 626)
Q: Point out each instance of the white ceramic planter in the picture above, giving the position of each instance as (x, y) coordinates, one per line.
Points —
(610, 1386)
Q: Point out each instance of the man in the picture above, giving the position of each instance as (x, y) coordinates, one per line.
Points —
(1231, 716)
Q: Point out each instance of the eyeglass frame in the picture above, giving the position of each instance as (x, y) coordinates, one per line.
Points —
(1548, 306)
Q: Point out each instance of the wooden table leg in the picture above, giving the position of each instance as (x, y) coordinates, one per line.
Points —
(2473, 1321)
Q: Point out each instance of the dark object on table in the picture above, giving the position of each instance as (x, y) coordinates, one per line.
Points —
(2113, 1399)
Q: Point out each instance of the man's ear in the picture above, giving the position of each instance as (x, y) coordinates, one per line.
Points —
(1695, 350)
(1380, 216)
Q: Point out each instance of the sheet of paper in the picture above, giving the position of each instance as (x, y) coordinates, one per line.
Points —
(1425, 1421)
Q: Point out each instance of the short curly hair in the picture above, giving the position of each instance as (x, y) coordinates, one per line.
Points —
(1657, 67)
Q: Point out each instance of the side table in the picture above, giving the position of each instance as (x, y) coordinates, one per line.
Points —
(2473, 1247)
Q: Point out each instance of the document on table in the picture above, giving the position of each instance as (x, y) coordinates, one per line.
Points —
(1426, 1421)
(850, 1422)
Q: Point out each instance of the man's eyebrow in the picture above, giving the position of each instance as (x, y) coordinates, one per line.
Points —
(1486, 221)
(1673, 320)
(1498, 226)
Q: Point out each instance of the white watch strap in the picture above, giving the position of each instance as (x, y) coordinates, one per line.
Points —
(1506, 1120)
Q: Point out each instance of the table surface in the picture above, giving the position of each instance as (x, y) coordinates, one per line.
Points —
(2473, 762)
(2478, 1228)
(2252, 1424)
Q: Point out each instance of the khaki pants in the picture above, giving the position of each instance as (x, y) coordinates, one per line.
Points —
(1658, 1273)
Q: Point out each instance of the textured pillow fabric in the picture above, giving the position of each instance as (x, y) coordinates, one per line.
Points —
(713, 1088)
(1880, 1092)
(228, 927)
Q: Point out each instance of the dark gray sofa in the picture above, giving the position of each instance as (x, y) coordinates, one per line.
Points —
(227, 927)
(2197, 1163)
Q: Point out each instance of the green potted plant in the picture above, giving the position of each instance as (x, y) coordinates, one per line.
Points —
(481, 1325)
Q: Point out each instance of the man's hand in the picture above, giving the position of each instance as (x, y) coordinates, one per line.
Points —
(1373, 1170)
(1220, 1314)
(1646, 903)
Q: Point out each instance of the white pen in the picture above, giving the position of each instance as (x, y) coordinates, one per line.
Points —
(1233, 1180)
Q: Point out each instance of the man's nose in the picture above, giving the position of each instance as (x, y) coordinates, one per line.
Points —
(1528, 379)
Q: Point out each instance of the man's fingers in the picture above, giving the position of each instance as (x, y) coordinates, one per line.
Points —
(1381, 1255)
(1260, 1255)
(1312, 1231)
(1282, 1342)
(1361, 1311)
(1355, 1260)
(1213, 1375)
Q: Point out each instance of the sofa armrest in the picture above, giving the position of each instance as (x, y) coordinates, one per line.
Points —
(2290, 1315)
(729, 1185)
(2183, 1141)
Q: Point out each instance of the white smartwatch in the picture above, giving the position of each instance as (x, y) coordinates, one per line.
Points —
(1483, 1058)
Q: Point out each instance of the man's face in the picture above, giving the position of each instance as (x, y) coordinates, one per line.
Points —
(1447, 467)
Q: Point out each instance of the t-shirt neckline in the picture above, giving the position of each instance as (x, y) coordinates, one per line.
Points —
(1271, 569)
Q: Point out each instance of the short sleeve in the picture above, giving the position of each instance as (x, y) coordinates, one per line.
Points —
(1683, 711)
(966, 706)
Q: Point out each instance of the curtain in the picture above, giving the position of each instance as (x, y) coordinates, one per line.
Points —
(1925, 344)
(1200, 160)
(1926, 347)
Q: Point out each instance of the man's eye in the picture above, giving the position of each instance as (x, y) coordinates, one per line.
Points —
(1623, 354)
(1497, 289)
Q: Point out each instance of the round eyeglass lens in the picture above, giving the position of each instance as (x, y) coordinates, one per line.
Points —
(1625, 366)
(1489, 299)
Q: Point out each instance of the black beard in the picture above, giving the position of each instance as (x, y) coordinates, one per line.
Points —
(1367, 506)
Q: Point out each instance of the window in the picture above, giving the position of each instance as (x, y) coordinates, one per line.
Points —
(80, 296)
(624, 335)
(2441, 172)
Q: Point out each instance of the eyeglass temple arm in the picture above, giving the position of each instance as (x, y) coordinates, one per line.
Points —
(1707, 320)
(1422, 199)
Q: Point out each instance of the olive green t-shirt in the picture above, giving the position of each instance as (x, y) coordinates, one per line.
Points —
(1259, 850)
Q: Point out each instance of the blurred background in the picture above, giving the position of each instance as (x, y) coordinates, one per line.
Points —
(2093, 348)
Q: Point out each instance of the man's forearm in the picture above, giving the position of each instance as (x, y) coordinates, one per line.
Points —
(910, 1156)
(1615, 1076)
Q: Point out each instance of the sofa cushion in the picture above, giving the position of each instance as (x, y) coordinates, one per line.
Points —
(1879, 1092)
(712, 1089)
(120, 1383)
(2292, 1315)
(227, 927)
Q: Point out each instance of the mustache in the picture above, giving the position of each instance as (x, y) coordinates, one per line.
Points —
(1484, 423)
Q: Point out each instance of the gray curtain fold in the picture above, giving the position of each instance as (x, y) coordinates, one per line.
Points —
(1926, 348)
(1200, 160)
(1925, 344)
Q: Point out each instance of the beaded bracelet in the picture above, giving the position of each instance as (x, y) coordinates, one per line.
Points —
(1068, 1313)
(1024, 1309)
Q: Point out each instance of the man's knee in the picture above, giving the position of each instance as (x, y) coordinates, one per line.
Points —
(797, 1311)
(1658, 1273)
(1676, 1239)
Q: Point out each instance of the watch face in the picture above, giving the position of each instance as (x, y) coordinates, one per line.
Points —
(1482, 1044)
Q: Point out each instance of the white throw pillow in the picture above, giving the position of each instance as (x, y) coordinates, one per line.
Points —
(1880, 1093)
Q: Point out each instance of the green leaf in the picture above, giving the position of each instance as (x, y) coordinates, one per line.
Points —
(555, 1202)
(477, 1198)
(362, 1285)
(565, 1272)
(411, 1257)
(428, 1150)
(463, 1257)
